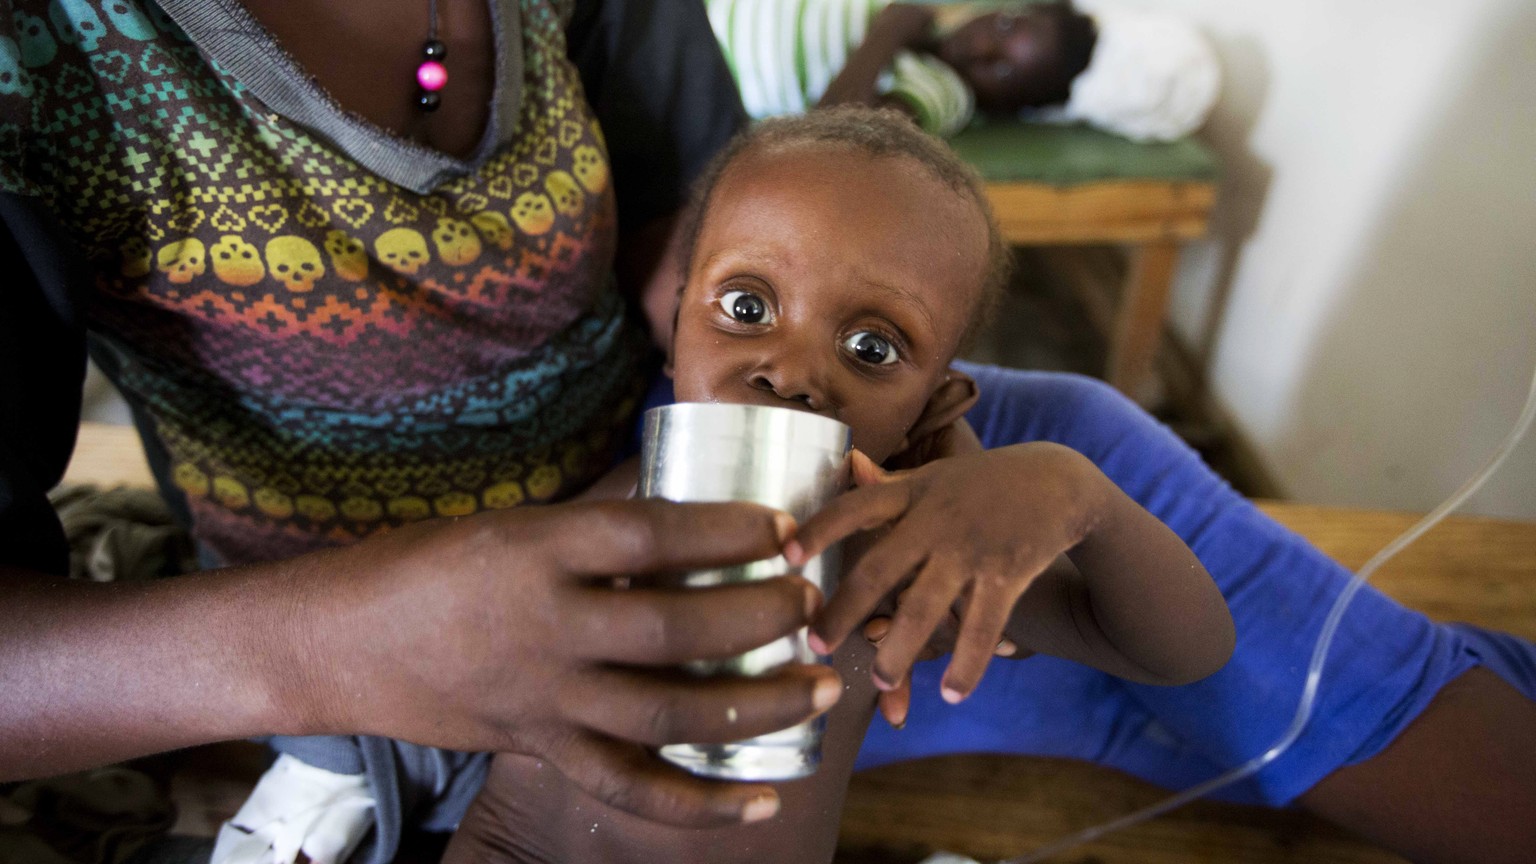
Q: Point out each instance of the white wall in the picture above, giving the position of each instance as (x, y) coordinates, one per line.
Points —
(1367, 303)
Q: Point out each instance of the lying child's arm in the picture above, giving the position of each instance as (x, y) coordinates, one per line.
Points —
(980, 532)
(897, 27)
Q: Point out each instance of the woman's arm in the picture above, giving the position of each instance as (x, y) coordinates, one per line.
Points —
(491, 632)
(95, 673)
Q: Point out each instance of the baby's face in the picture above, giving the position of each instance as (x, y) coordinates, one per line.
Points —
(831, 281)
(1009, 60)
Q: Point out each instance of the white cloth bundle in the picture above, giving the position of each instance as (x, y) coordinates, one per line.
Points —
(1151, 78)
(297, 807)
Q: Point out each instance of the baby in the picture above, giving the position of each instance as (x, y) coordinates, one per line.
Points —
(837, 262)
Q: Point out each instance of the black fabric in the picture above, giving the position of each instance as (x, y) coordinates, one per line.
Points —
(108, 359)
(42, 369)
(660, 87)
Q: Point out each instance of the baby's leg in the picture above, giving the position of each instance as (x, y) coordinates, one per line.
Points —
(529, 812)
(1458, 784)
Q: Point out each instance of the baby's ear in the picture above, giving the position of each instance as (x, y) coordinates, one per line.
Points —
(949, 402)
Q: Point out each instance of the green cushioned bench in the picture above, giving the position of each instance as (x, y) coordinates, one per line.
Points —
(1053, 184)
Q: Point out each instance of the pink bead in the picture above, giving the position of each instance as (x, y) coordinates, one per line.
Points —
(431, 75)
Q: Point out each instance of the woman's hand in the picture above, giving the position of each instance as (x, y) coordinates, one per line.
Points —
(506, 632)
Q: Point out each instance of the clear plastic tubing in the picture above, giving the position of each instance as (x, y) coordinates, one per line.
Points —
(1319, 656)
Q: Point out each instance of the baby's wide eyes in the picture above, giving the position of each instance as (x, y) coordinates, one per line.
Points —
(871, 348)
(746, 307)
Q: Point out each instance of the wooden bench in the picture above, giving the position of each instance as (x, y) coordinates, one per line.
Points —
(1067, 185)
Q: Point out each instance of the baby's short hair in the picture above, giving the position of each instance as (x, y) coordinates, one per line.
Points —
(878, 132)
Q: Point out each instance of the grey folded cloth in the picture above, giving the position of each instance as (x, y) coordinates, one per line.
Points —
(121, 534)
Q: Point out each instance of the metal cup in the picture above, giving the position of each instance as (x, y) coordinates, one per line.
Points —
(789, 460)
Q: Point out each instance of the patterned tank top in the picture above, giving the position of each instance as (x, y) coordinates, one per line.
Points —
(324, 354)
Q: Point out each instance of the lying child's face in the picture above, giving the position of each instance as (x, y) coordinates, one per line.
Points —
(1010, 61)
(833, 281)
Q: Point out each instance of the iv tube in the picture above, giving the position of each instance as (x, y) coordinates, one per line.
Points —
(1319, 655)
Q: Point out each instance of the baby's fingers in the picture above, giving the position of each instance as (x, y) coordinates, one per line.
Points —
(981, 631)
(895, 704)
(886, 565)
(924, 608)
(858, 510)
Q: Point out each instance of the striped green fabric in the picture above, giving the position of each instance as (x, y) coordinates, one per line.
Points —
(784, 53)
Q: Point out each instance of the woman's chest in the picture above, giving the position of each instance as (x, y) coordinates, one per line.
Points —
(366, 56)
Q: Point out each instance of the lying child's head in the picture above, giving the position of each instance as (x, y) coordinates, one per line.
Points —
(837, 262)
(1024, 56)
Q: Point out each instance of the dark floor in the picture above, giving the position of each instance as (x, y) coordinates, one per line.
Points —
(1041, 323)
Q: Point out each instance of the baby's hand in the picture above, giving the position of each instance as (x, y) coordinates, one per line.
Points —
(894, 704)
(974, 531)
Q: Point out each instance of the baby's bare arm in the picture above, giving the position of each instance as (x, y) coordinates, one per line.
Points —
(977, 533)
(1130, 599)
(529, 812)
(898, 27)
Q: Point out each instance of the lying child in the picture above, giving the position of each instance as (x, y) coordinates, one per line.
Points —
(837, 263)
(1135, 73)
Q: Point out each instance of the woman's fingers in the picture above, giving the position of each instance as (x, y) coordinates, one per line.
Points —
(660, 708)
(617, 538)
(631, 778)
(665, 627)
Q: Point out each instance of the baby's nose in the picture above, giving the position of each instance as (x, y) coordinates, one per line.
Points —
(787, 389)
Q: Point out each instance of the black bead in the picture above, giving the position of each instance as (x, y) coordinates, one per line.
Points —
(434, 50)
(428, 100)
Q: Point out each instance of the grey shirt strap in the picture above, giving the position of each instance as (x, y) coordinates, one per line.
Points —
(227, 34)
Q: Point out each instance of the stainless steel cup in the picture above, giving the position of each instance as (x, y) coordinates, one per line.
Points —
(790, 460)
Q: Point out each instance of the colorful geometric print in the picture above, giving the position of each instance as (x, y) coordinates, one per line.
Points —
(325, 354)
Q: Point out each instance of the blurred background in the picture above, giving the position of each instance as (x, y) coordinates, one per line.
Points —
(1361, 319)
